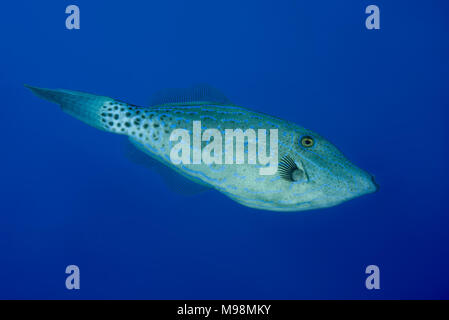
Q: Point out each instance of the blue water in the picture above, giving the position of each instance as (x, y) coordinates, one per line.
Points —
(70, 196)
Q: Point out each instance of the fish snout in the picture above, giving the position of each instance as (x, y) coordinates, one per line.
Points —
(375, 184)
(367, 184)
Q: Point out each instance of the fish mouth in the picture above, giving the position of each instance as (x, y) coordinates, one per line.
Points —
(375, 184)
(366, 184)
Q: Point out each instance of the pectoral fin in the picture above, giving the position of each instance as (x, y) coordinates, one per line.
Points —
(137, 154)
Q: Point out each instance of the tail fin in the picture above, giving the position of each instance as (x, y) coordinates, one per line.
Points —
(83, 106)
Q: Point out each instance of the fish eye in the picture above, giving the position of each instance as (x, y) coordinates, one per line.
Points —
(307, 141)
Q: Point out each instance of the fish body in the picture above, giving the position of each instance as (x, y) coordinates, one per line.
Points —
(309, 176)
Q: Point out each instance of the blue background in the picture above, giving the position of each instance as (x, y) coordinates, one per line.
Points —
(69, 196)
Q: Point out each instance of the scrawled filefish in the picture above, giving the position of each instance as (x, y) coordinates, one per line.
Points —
(310, 172)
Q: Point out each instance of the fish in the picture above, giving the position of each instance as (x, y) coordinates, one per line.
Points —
(311, 173)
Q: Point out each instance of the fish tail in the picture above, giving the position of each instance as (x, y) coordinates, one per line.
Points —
(83, 106)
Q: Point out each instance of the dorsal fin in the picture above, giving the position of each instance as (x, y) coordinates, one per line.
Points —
(196, 95)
